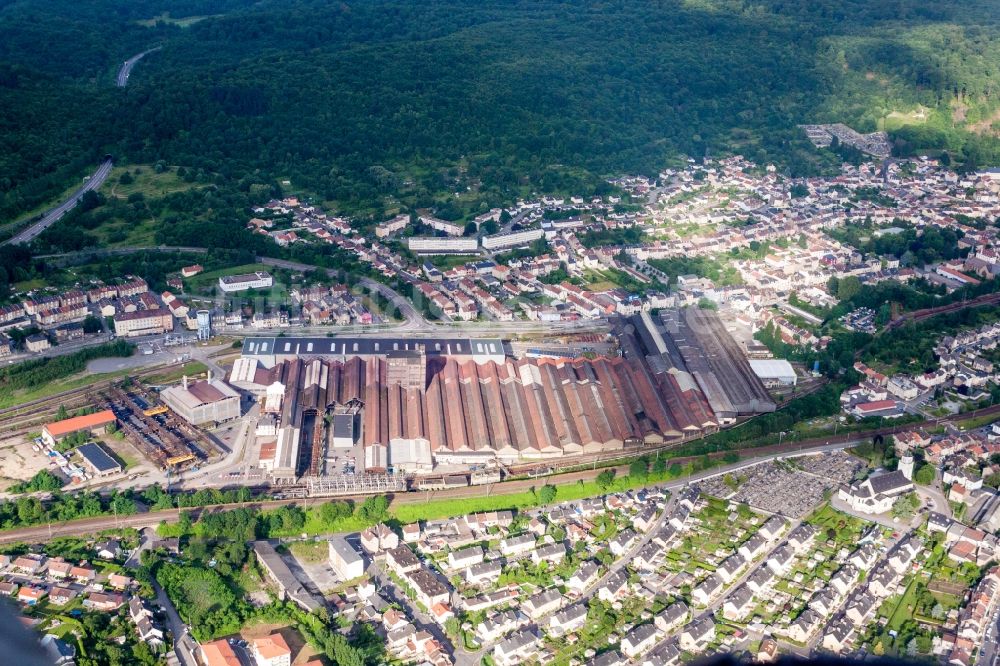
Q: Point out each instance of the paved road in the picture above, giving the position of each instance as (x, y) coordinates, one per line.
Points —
(126, 69)
(406, 308)
(991, 644)
(94, 181)
(423, 622)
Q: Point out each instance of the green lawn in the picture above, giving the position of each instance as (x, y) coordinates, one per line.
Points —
(976, 422)
(444, 508)
(904, 609)
(848, 529)
(310, 552)
(175, 373)
(145, 181)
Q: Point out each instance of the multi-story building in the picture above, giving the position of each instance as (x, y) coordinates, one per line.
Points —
(434, 245)
(390, 227)
(450, 228)
(511, 239)
(271, 650)
(346, 561)
(143, 322)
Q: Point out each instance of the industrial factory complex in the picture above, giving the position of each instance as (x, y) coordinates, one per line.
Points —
(413, 404)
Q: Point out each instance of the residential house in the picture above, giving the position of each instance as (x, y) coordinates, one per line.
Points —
(61, 595)
(638, 641)
(614, 587)
(585, 575)
(752, 547)
(671, 617)
(401, 560)
(465, 557)
(729, 567)
(484, 572)
(554, 553)
(516, 649)
(738, 604)
(29, 595)
(568, 620)
(838, 635)
(707, 590)
(516, 546)
(103, 602)
(781, 560)
(773, 527)
(543, 603)
(697, 635)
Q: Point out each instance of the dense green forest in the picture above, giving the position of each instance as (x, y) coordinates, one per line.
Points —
(372, 105)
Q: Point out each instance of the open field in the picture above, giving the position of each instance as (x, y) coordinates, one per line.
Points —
(18, 462)
(145, 181)
(976, 422)
(905, 607)
(898, 119)
(311, 552)
(192, 369)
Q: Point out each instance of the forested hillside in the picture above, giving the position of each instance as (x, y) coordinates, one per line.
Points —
(371, 103)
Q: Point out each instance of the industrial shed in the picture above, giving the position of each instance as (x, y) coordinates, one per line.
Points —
(774, 372)
(198, 403)
(98, 460)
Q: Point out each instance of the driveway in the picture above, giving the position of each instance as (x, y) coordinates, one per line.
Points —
(185, 646)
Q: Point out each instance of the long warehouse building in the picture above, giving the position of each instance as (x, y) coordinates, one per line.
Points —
(463, 401)
(692, 346)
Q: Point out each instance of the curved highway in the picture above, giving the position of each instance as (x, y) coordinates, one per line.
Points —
(126, 69)
(93, 181)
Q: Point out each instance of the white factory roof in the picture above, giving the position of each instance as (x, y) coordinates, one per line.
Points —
(772, 368)
(200, 393)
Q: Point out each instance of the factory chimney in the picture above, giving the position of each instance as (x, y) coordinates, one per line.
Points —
(185, 382)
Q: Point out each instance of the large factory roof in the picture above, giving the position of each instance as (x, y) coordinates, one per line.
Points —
(287, 347)
(514, 408)
(681, 374)
(693, 347)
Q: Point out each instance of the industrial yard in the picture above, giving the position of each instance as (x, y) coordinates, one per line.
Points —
(428, 406)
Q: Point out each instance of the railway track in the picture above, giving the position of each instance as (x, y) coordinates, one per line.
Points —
(927, 313)
(151, 519)
(20, 419)
(27, 416)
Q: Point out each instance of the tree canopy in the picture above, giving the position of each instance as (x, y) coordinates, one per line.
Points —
(367, 104)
